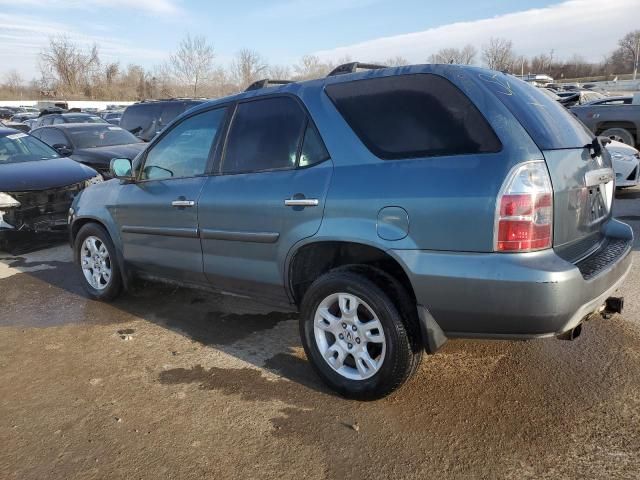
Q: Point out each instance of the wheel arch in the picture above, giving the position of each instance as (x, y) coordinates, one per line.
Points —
(312, 259)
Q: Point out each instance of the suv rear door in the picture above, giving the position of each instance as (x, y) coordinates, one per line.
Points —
(580, 169)
(269, 194)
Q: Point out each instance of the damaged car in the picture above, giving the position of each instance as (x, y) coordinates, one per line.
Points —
(37, 185)
(93, 144)
(626, 161)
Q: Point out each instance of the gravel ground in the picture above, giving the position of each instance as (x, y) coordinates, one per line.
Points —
(171, 383)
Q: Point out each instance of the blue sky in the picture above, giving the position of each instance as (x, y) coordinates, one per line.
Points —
(146, 31)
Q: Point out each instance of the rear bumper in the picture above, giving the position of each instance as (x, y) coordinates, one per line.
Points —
(518, 296)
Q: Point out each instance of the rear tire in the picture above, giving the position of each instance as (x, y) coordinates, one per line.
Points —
(620, 135)
(97, 263)
(342, 313)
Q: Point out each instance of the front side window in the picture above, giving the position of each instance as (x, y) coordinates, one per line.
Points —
(265, 135)
(184, 150)
(409, 116)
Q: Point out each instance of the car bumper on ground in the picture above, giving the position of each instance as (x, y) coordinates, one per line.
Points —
(518, 296)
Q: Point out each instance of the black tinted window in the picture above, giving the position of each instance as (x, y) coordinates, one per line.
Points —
(410, 116)
(265, 135)
(548, 123)
(313, 149)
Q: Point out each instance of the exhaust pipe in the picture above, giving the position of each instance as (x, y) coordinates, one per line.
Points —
(614, 305)
(571, 334)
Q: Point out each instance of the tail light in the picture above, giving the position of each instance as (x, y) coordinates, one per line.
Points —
(524, 210)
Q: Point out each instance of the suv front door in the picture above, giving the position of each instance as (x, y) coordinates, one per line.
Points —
(158, 214)
(269, 194)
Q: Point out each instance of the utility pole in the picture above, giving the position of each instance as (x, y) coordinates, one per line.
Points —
(635, 65)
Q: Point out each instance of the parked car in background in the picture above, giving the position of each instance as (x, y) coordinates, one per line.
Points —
(146, 119)
(626, 161)
(6, 114)
(622, 100)
(620, 122)
(30, 122)
(37, 186)
(112, 117)
(21, 117)
(578, 97)
(342, 198)
(61, 118)
(93, 144)
(15, 125)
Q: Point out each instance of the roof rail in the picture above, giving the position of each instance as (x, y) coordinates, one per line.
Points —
(353, 67)
(264, 83)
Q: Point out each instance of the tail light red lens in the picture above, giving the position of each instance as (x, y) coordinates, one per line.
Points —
(524, 213)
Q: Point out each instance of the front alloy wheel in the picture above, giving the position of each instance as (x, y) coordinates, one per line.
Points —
(96, 263)
(95, 258)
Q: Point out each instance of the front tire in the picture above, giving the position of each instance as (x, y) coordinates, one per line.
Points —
(355, 337)
(96, 260)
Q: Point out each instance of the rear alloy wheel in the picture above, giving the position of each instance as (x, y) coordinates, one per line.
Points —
(96, 258)
(619, 135)
(349, 336)
(355, 336)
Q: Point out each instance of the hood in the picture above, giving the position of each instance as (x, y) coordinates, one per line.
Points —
(103, 155)
(42, 174)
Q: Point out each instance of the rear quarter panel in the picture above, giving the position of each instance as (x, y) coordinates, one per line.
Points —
(450, 200)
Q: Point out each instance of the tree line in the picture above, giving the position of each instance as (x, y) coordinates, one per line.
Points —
(70, 71)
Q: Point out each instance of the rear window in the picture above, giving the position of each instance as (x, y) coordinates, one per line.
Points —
(550, 125)
(410, 116)
(101, 137)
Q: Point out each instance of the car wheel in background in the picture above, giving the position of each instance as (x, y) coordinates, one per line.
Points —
(619, 135)
(95, 258)
(355, 337)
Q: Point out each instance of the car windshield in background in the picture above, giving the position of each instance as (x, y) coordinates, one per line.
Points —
(20, 147)
(84, 119)
(550, 124)
(100, 137)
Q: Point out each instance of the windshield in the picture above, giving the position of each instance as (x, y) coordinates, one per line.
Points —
(101, 137)
(20, 147)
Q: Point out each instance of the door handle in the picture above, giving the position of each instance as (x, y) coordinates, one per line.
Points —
(301, 202)
(183, 203)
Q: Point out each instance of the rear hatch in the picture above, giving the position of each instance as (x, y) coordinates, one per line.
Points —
(580, 169)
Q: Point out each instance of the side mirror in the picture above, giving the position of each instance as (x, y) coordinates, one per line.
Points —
(63, 149)
(121, 168)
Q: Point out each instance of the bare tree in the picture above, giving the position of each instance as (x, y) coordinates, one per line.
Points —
(627, 56)
(14, 82)
(461, 56)
(68, 63)
(311, 66)
(279, 72)
(247, 67)
(498, 54)
(396, 61)
(193, 62)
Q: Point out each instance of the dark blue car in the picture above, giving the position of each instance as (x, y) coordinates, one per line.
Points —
(394, 207)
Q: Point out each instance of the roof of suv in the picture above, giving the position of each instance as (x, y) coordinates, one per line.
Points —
(320, 83)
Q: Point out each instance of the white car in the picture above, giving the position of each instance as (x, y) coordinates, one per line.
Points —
(626, 163)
